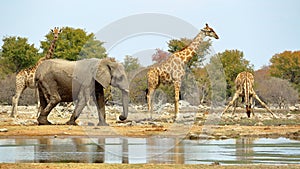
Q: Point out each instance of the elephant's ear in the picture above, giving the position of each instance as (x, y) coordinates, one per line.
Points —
(103, 74)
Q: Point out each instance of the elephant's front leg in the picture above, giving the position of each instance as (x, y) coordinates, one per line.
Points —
(78, 108)
(101, 107)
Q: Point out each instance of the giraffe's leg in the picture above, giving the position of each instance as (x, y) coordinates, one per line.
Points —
(15, 100)
(38, 102)
(177, 90)
(236, 95)
(234, 106)
(251, 106)
(262, 103)
(149, 100)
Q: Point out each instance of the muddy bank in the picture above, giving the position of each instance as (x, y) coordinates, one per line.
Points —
(193, 124)
(133, 166)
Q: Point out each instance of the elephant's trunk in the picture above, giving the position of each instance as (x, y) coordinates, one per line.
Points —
(125, 102)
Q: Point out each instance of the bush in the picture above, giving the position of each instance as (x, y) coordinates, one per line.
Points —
(7, 91)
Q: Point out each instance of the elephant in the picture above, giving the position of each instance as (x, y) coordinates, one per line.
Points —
(66, 81)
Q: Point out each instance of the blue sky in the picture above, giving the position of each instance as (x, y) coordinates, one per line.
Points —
(259, 28)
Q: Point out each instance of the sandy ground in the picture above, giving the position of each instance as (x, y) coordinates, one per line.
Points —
(138, 166)
(25, 125)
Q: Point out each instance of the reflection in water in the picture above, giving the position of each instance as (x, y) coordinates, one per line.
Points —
(244, 149)
(150, 150)
(165, 150)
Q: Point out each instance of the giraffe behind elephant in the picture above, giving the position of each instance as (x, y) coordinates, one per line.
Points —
(25, 78)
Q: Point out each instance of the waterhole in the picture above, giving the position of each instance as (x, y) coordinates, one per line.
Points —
(150, 150)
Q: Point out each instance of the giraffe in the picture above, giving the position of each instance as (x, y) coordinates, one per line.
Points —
(172, 70)
(244, 88)
(25, 78)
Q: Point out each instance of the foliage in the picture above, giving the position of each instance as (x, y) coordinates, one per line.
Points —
(217, 80)
(138, 86)
(203, 83)
(137, 78)
(274, 90)
(74, 44)
(286, 65)
(233, 63)
(7, 91)
(17, 54)
(160, 55)
(131, 63)
(196, 61)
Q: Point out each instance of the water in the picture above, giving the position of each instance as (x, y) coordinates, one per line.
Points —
(150, 150)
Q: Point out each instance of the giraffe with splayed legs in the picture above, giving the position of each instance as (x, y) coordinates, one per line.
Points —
(244, 83)
(172, 69)
(25, 78)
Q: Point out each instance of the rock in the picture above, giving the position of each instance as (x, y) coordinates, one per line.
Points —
(155, 124)
(293, 108)
(90, 124)
(223, 137)
(4, 130)
(133, 123)
(193, 136)
(217, 134)
(144, 122)
(205, 137)
(188, 115)
(183, 103)
(259, 124)
(215, 163)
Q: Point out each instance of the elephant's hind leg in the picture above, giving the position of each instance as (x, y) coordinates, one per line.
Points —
(54, 99)
(43, 103)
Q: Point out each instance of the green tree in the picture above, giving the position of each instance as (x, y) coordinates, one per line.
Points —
(131, 63)
(75, 44)
(286, 65)
(17, 54)
(233, 62)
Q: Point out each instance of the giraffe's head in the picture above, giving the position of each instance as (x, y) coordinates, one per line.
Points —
(56, 31)
(208, 31)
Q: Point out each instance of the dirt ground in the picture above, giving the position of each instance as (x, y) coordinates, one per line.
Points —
(26, 126)
(137, 166)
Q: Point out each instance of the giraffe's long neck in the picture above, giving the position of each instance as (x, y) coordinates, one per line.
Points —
(194, 45)
(48, 55)
(51, 49)
(33, 68)
(187, 54)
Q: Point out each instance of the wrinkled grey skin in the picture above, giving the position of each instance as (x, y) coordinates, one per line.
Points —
(66, 81)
